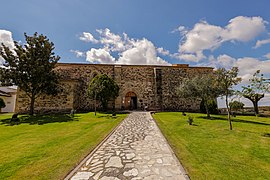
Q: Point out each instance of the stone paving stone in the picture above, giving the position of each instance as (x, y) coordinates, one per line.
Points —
(82, 175)
(136, 150)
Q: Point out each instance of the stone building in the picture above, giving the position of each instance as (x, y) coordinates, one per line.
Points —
(153, 86)
(8, 94)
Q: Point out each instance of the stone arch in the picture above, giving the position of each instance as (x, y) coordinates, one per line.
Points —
(130, 100)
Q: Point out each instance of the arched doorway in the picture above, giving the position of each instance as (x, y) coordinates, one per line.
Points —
(131, 101)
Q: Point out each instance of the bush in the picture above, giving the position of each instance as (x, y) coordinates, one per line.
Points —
(2, 103)
(236, 105)
(190, 120)
(213, 109)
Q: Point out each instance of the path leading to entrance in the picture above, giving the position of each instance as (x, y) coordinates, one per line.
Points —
(136, 150)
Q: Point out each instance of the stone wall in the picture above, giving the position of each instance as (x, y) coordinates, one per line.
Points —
(154, 87)
(171, 79)
(63, 102)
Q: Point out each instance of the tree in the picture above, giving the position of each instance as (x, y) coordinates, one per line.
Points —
(30, 67)
(236, 105)
(256, 89)
(103, 88)
(226, 80)
(203, 87)
(2, 104)
(212, 106)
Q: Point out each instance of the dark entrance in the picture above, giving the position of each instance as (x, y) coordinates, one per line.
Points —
(131, 101)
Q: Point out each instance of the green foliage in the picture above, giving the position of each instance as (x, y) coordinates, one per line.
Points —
(103, 88)
(30, 67)
(203, 87)
(236, 105)
(190, 120)
(226, 80)
(256, 89)
(2, 103)
(212, 107)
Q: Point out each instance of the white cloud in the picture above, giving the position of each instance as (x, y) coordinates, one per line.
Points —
(222, 61)
(1, 61)
(181, 29)
(163, 51)
(143, 52)
(243, 28)
(78, 53)
(247, 65)
(205, 36)
(225, 61)
(88, 37)
(202, 36)
(99, 56)
(259, 43)
(7, 40)
(193, 57)
(130, 51)
(113, 42)
(267, 55)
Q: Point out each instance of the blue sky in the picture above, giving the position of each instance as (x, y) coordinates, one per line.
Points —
(201, 33)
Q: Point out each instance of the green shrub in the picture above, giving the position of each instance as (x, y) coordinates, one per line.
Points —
(213, 109)
(236, 105)
(190, 120)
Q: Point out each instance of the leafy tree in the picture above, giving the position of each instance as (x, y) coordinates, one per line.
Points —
(256, 89)
(226, 80)
(203, 87)
(30, 67)
(236, 105)
(2, 104)
(212, 106)
(103, 88)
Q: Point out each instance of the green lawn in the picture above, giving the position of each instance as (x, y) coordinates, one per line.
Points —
(48, 147)
(209, 150)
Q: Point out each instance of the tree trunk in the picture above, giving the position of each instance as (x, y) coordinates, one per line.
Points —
(95, 103)
(256, 109)
(114, 113)
(255, 98)
(229, 119)
(229, 113)
(207, 109)
(32, 103)
(114, 105)
(104, 105)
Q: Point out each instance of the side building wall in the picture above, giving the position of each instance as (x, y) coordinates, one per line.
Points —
(151, 86)
(63, 102)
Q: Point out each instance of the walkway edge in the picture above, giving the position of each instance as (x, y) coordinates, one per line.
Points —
(180, 164)
(73, 171)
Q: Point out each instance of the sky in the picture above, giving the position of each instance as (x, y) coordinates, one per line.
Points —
(222, 33)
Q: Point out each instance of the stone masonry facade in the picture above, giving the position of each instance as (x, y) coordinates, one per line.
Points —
(141, 86)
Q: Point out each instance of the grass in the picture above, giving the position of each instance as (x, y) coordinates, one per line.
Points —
(209, 150)
(48, 147)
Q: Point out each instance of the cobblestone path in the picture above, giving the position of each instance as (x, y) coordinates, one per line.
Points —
(136, 150)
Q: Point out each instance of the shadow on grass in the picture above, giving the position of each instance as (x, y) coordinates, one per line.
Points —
(117, 112)
(234, 120)
(266, 135)
(109, 115)
(39, 119)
